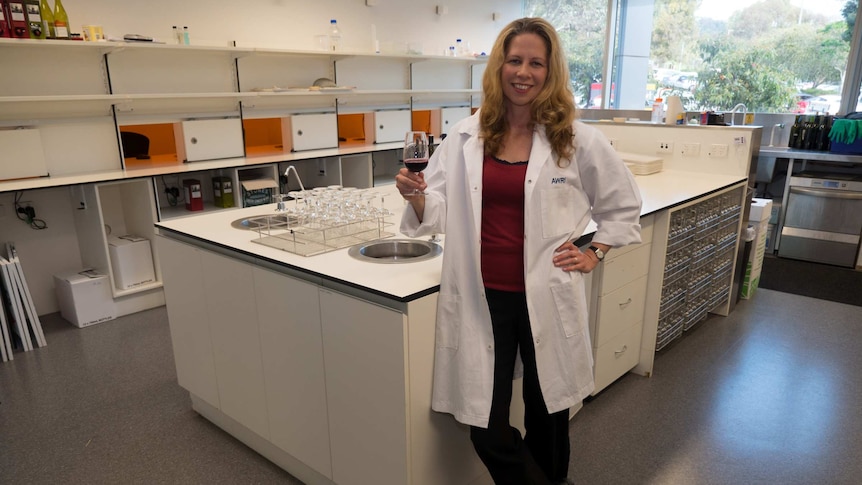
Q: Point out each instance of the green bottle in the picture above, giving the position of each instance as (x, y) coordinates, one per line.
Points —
(47, 20)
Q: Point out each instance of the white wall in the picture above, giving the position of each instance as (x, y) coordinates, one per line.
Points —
(293, 24)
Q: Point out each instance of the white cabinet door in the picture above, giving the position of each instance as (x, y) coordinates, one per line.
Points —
(186, 305)
(450, 116)
(210, 139)
(310, 131)
(391, 126)
(289, 319)
(366, 390)
(232, 314)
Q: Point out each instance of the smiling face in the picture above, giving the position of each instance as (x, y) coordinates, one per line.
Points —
(525, 69)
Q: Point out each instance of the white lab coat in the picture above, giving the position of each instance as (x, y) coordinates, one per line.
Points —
(558, 205)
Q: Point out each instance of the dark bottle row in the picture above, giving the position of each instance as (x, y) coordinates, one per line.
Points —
(811, 132)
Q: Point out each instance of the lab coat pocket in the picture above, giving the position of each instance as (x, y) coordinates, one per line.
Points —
(448, 321)
(569, 303)
(558, 210)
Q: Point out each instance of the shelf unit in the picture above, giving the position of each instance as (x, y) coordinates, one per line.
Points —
(108, 86)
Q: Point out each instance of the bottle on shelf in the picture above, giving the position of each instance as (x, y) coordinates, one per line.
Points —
(61, 20)
(459, 47)
(186, 39)
(793, 142)
(178, 39)
(657, 111)
(47, 20)
(334, 36)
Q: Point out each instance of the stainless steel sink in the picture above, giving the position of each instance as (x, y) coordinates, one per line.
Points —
(389, 251)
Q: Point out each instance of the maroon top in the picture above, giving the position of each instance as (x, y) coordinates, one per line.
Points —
(503, 224)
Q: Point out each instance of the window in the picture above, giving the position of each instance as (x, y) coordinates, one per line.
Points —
(777, 56)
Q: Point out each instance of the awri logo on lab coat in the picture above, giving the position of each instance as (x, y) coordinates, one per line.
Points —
(558, 180)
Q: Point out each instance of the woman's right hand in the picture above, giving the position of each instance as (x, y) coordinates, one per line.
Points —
(409, 183)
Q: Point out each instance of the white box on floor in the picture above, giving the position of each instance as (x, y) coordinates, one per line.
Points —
(85, 298)
(131, 261)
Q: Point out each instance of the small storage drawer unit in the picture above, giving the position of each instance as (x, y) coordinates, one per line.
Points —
(616, 323)
(310, 132)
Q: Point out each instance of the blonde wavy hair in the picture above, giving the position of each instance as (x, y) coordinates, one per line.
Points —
(553, 108)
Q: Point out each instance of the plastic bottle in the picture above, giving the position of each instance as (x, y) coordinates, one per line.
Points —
(186, 39)
(657, 111)
(334, 36)
(178, 38)
(459, 47)
(675, 113)
(451, 52)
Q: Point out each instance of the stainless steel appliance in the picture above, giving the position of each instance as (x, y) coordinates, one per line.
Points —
(823, 219)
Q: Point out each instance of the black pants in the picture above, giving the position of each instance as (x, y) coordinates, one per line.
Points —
(542, 457)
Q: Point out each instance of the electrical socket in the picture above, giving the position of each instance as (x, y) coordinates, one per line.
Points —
(690, 149)
(664, 147)
(718, 150)
(614, 143)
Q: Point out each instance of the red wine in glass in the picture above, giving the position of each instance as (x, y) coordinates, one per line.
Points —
(416, 152)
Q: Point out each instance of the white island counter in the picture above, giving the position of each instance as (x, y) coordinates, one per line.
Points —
(323, 364)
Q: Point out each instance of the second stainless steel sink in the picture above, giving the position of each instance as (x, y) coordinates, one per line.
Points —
(390, 251)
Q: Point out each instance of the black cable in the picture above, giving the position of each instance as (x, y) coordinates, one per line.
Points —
(27, 214)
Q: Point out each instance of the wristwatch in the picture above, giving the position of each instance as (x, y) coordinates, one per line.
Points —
(599, 253)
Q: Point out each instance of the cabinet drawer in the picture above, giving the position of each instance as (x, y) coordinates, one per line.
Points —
(624, 268)
(210, 139)
(619, 310)
(646, 238)
(311, 131)
(390, 126)
(617, 357)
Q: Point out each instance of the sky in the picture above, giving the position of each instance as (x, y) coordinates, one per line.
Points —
(721, 9)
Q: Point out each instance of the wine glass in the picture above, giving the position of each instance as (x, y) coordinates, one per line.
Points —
(415, 153)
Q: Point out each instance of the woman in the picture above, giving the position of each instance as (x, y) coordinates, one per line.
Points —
(510, 187)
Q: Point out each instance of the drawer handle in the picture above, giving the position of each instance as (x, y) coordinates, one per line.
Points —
(625, 303)
(194, 140)
(299, 132)
(620, 352)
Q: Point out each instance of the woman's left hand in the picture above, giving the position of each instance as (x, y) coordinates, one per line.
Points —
(569, 258)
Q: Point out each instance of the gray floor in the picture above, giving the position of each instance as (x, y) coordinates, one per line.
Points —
(769, 395)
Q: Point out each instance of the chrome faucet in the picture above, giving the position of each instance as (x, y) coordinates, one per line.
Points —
(772, 134)
(735, 110)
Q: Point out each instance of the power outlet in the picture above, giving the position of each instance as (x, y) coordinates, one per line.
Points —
(664, 147)
(718, 150)
(690, 149)
(614, 143)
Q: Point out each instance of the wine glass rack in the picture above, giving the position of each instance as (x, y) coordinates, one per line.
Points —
(698, 263)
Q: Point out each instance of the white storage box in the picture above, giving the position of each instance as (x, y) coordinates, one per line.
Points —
(131, 261)
(209, 139)
(390, 126)
(450, 116)
(642, 164)
(310, 132)
(85, 298)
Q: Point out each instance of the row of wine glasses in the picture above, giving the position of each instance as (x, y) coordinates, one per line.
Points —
(334, 205)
